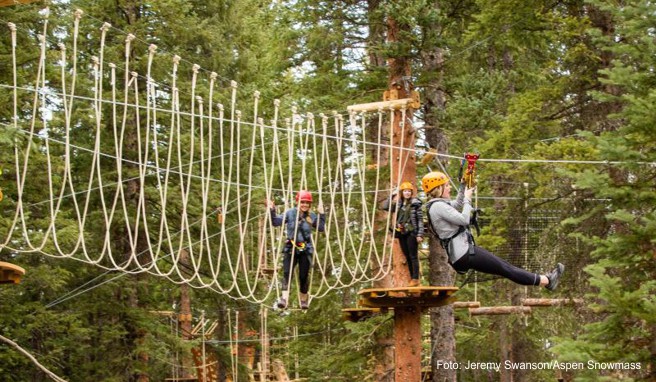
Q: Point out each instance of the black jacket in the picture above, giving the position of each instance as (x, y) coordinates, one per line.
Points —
(416, 217)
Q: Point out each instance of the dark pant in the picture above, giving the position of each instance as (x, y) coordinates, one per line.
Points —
(409, 247)
(486, 262)
(304, 261)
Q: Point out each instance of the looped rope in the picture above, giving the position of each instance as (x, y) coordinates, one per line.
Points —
(166, 156)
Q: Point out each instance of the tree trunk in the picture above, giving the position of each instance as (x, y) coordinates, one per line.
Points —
(442, 319)
(505, 350)
(135, 333)
(407, 322)
(443, 339)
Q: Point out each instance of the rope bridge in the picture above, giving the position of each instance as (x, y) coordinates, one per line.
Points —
(128, 172)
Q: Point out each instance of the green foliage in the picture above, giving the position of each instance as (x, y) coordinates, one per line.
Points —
(522, 79)
(623, 272)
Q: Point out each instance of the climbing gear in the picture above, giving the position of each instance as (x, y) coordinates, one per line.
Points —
(468, 178)
(433, 179)
(300, 245)
(554, 276)
(304, 196)
(405, 186)
(403, 223)
(473, 220)
(446, 242)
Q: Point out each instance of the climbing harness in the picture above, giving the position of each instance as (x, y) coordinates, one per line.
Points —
(300, 245)
(467, 176)
(446, 242)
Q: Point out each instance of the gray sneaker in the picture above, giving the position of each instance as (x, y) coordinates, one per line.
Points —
(554, 276)
(282, 303)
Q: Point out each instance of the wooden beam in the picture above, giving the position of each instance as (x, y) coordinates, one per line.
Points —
(395, 104)
(499, 310)
(545, 302)
(466, 304)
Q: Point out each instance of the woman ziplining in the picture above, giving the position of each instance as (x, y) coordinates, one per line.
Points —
(299, 223)
(449, 221)
(409, 227)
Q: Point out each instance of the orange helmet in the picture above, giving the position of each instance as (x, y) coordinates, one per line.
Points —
(304, 196)
(433, 179)
(405, 186)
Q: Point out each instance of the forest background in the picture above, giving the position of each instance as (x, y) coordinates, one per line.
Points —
(539, 82)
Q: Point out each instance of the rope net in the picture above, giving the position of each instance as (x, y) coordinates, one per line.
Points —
(128, 172)
(527, 243)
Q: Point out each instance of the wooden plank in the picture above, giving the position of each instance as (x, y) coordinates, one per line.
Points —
(384, 105)
(499, 310)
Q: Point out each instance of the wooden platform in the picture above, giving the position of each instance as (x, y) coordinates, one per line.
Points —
(10, 273)
(6, 3)
(420, 296)
(360, 314)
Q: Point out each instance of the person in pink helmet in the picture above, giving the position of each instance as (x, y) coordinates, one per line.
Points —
(299, 223)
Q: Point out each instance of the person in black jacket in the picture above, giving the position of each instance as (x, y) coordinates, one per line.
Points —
(409, 227)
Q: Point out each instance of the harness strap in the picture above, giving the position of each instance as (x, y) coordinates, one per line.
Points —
(445, 242)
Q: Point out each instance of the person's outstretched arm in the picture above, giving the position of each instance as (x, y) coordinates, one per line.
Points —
(276, 219)
(320, 220)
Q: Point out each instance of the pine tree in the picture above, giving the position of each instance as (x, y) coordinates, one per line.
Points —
(622, 275)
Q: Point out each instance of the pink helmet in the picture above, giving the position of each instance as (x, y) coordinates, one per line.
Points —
(303, 196)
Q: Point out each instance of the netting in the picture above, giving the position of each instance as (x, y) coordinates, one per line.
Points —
(528, 243)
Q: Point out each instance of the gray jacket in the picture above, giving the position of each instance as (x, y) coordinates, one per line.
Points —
(447, 220)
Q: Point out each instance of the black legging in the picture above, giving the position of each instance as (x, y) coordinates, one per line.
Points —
(304, 261)
(409, 247)
(486, 262)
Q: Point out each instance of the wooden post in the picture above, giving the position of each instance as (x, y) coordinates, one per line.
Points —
(407, 342)
(408, 303)
(184, 317)
(407, 321)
